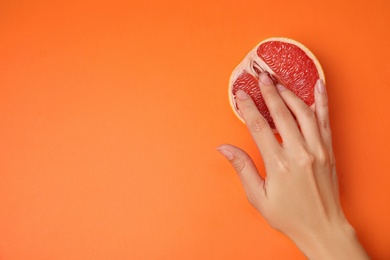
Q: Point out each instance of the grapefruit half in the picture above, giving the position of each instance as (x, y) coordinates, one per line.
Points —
(287, 62)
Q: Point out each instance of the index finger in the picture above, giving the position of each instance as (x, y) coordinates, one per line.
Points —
(261, 132)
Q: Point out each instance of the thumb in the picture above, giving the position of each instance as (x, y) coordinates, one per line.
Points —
(250, 178)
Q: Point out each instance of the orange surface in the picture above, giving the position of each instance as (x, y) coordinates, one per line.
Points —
(110, 112)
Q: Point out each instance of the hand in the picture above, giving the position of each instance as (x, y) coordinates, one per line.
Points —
(299, 195)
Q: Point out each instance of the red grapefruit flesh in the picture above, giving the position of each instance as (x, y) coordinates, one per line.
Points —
(287, 62)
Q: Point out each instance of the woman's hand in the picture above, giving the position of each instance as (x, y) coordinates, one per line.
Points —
(299, 195)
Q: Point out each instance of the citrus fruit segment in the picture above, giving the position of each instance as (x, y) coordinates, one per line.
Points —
(286, 62)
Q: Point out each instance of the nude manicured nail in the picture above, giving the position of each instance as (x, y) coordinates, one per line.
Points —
(264, 79)
(226, 153)
(280, 87)
(320, 86)
(240, 94)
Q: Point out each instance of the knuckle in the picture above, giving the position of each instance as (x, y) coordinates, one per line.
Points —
(239, 166)
(281, 113)
(247, 106)
(258, 125)
(324, 123)
(322, 158)
(307, 112)
(305, 159)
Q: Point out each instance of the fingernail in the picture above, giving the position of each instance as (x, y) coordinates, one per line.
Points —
(226, 153)
(264, 79)
(320, 86)
(240, 94)
(280, 87)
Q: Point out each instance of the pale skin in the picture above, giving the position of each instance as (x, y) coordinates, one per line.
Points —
(299, 195)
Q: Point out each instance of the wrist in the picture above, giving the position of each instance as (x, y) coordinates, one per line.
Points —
(332, 242)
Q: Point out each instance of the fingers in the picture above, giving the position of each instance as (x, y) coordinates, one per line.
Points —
(258, 127)
(305, 116)
(316, 132)
(252, 182)
(322, 114)
(282, 117)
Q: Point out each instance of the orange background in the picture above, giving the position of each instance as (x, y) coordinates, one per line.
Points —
(110, 112)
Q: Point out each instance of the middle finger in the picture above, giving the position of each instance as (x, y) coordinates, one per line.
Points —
(283, 119)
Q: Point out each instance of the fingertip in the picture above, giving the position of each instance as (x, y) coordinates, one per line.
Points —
(320, 86)
(280, 87)
(241, 94)
(246, 170)
(222, 149)
(265, 79)
(321, 95)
